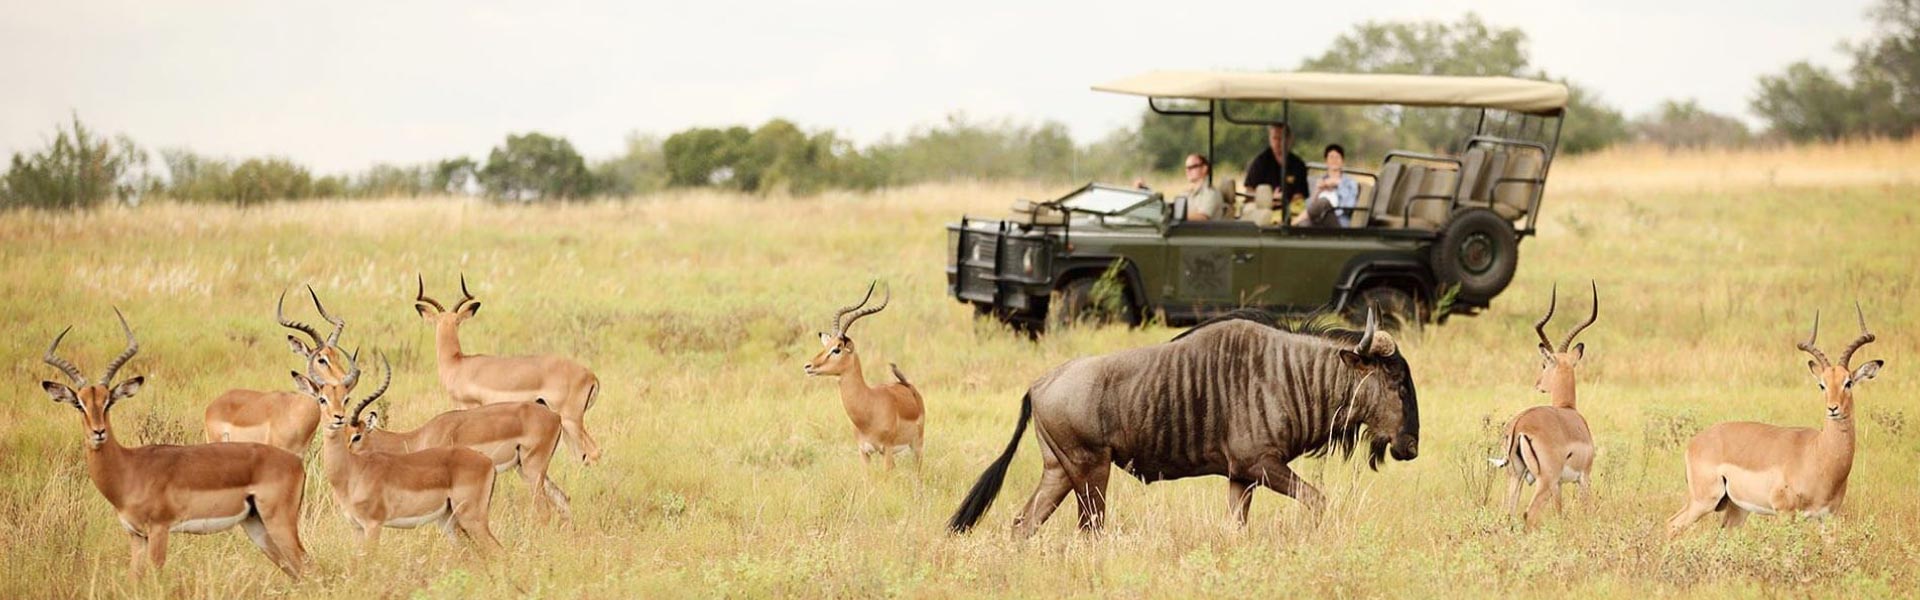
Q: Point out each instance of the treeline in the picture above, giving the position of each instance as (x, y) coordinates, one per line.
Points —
(1878, 96)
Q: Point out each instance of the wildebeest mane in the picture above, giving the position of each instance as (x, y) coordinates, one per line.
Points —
(1319, 323)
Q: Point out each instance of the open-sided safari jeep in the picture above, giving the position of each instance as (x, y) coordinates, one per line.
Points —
(1430, 234)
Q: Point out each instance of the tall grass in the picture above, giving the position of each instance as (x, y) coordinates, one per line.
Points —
(728, 472)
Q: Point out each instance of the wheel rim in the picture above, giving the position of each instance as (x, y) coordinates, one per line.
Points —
(1478, 254)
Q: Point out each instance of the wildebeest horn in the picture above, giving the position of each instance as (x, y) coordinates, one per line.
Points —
(1365, 347)
(133, 347)
(362, 406)
(837, 327)
(869, 310)
(1540, 327)
(280, 315)
(1866, 337)
(1808, 346)
(421, 296)
(1590, 319)
(339, 325)
(73, 372)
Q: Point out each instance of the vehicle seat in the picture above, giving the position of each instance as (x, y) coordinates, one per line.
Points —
(1412, 179)
(1229, 197)
(1473, 178)
(1363, 204)
(1430, 206)
(1513, 193)
(1261, 207)
(1377, 204)
(1037, 214)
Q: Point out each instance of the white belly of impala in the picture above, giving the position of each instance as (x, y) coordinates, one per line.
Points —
(209, 525)
(412, 522)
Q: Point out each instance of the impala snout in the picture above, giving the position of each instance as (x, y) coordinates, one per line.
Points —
(97, 437)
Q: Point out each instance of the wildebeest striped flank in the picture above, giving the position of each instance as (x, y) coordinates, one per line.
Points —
(1239, 397)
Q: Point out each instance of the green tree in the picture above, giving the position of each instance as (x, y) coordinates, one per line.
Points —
(453, 175)
(534, 166)
(1685, 124)
(640, 169)
(78, 169)
(1879, 95)
(703, 156)
(260, 180)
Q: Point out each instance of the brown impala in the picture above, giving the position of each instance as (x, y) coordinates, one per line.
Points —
(1551, 445)
(519, 435)
(1746, 468)
(887, 418)
(282, 419)
(476, 379)
(449, 486)
(162, 489)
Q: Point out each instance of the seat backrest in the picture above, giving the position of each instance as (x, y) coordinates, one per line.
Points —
(1261, 207)
(1435, 191)
(1389, 177)
(1473, 176)
(1363, 204)
(1526, 164)
(1411, 180)
(1229, 198)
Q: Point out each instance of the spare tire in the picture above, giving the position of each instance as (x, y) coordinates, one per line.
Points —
(1477, 251)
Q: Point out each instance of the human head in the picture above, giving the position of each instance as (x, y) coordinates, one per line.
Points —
(1335, 157)
(1197, 168)
(1277, 137)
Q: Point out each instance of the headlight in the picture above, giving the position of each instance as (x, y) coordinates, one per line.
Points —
(1027, 260)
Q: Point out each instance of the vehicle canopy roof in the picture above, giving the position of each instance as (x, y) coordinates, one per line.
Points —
(1500, 93)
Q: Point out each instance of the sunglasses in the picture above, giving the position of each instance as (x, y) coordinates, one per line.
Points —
(1194, 166)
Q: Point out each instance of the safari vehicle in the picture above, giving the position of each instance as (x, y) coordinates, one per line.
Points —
(1430, 235)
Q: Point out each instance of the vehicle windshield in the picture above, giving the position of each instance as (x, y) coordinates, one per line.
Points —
(1113, 202)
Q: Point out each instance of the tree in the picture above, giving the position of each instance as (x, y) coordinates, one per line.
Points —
(79, 169)
(534, 166)
(1878, 95)
(641, 169)
(703, 156)
(1685, 124)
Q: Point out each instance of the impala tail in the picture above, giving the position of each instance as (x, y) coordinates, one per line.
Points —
(981, 497)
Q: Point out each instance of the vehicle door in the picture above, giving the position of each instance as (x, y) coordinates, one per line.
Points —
(1216, 265)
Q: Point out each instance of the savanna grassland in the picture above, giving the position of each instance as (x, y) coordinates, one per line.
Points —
(730, 473)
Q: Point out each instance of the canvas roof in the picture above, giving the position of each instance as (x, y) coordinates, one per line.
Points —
(1503, 93)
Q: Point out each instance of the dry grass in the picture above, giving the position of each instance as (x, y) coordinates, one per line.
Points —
(729, 473)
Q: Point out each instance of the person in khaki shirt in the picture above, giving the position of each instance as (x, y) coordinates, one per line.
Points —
(1203, 202)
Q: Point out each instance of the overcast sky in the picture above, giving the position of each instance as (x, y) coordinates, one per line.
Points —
(341, 85)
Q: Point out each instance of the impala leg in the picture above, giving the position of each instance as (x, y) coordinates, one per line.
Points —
(1239, 498)
(574, 430)
(1549, 491)
(886, 458)
(1092, 493)
(137, 554)
(1514, 485)
(547, 497)
(257, 532)
(1696, 507)
(157, 546)
(472, 518)
(1736, 517)
(369, 537)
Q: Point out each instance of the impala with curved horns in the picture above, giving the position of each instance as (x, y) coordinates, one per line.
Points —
(475, 379)
(1550, 445)
(448, 486)
(886, 418)
(1742, 467)
(160, 489)
(281, 419)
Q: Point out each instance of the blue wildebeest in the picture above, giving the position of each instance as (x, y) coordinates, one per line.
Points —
(1239, 396)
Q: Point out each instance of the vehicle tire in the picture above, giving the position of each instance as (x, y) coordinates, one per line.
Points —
(1074, 304)
(1398, 310)
(1477, 251)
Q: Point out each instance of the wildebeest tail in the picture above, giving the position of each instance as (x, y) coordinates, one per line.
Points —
(980, 498)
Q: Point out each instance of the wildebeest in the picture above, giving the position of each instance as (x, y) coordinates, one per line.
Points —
(1240, 396)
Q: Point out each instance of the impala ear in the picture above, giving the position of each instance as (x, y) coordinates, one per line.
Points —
(1867, 371)
(304, 385)
(1579, 351)
(60, 392)
(470, 309)
(1814, 368)
(299, 347)
(427, 311)
(372, 420)
(1546, 352)
(126, 389)
(826, 340)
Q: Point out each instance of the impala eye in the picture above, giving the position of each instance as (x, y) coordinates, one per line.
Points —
(835, 351)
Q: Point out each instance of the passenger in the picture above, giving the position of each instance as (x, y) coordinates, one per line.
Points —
(1336, 187)
(1203, 202)
(1265, 168)
(1319, 213)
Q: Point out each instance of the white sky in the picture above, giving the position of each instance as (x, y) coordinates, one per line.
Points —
(341, 85)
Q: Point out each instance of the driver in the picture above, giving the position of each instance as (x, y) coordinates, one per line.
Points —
(1265, 168)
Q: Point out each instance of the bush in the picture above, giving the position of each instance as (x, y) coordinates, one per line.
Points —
(79, 169)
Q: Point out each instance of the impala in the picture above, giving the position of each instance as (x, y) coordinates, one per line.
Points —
(886, 418)
(448, 486)
(519, 435)
(161, 489)
(281, 419)
(475, 379)
(1550, 445)
(1743, 468)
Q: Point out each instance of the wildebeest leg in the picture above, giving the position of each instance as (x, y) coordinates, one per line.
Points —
(1053, 488)
(1289, 484)
(1239, 498)
(1092, 492)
